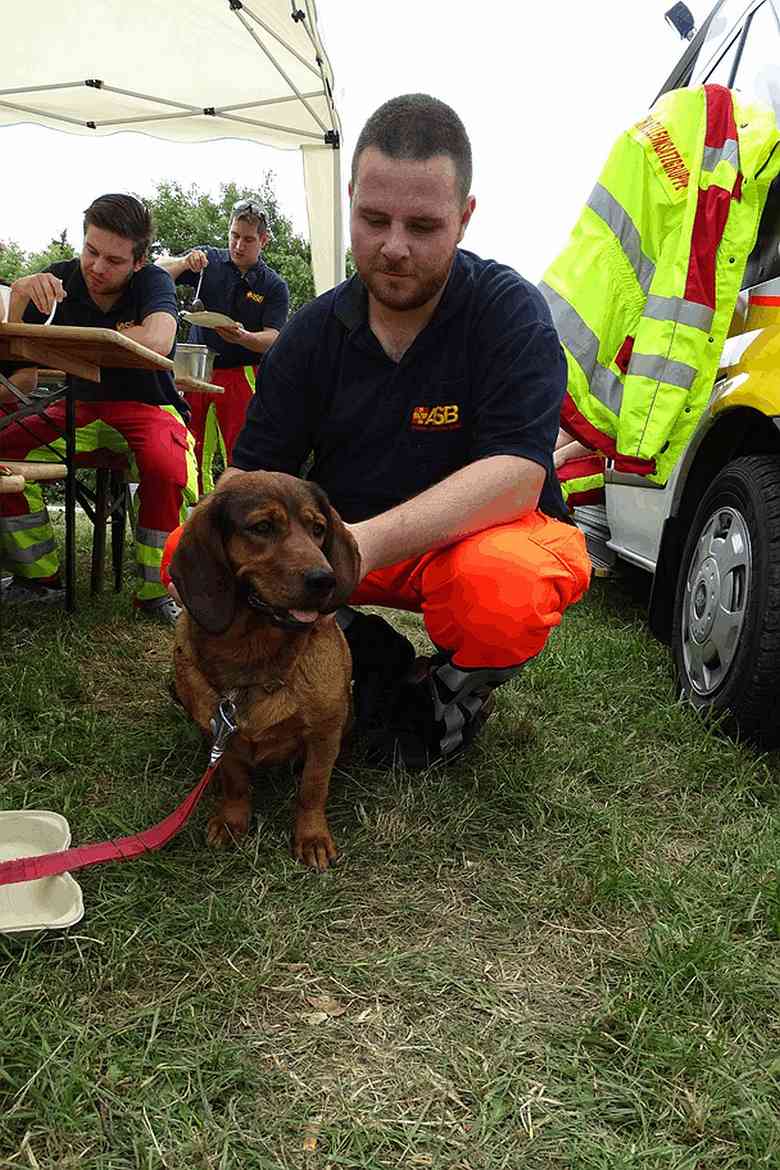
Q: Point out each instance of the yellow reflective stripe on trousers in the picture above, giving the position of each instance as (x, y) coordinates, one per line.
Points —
(27, 545)
(30, 550)
(249, 374)
(23, 523)
(212, 442)
(585, 483)
(149, 542)
(189, 494)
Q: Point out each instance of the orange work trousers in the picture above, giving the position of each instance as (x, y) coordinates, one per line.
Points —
(492, 598)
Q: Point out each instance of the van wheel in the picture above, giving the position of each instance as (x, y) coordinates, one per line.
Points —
(726, 631)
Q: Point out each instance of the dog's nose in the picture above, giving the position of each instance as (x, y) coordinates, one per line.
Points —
(319, 582)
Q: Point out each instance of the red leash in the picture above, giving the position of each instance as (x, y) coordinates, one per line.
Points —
(27, 869)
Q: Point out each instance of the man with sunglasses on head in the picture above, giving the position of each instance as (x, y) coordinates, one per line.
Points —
(238, 283)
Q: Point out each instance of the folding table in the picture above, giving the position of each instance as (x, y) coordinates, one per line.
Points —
(80, 351)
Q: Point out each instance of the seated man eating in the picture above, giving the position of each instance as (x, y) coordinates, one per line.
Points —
(130, 411)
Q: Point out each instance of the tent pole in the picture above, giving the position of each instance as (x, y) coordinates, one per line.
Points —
(339, 268)
(307, 106)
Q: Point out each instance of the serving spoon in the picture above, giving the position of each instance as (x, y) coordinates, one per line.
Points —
(197, 305)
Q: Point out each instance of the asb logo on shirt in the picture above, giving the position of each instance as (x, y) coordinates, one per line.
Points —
(253, 296)
(440, 418)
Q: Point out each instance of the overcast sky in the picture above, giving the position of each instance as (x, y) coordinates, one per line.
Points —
(542, 88)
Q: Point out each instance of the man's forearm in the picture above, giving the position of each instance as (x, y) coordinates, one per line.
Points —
(173, 265)
(489, 492)
(257, 342)
(156, 332)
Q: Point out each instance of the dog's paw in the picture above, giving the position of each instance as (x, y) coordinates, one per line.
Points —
(312, 843)
(229, 822)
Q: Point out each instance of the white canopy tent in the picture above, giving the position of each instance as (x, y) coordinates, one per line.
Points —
(188, 71)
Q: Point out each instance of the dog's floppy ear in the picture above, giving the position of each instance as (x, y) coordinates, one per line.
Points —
(199, 568)
(341, 550)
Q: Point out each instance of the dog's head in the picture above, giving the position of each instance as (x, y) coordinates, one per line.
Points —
(267, 540)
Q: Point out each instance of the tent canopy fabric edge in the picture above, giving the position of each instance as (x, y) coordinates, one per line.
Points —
(287, 112)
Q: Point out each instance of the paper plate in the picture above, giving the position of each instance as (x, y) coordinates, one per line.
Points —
(210, 320)
(50, 903)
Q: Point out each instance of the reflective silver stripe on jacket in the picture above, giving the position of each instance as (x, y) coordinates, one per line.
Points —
(583, 345)
(678, 309)
(661, 369)
(713, 155)
(151, 537)
(619, 222)
(22, 523)
(28, 556)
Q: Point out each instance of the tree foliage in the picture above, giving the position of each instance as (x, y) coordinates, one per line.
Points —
(15, 262)
(188, 217)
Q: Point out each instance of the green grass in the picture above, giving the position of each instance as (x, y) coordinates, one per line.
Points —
(562, 952)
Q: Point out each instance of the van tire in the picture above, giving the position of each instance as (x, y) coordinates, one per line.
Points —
(726, 625)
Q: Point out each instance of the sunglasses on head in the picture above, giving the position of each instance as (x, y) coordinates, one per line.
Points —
(248, 205)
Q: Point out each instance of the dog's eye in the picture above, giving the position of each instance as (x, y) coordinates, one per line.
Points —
(263, 528)
(318, 529)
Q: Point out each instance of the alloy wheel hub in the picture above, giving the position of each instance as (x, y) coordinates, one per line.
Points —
(717, 592)
(705, 593)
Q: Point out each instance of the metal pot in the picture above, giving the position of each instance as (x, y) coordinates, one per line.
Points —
(194, 361)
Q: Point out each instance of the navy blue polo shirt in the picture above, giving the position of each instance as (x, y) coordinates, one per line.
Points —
(486, 376)
(149, 290)
(259, 299)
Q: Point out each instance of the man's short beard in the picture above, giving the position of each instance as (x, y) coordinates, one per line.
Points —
(406, 301)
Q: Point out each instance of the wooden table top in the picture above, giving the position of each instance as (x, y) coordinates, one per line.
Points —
(184, 382)
(77, 349)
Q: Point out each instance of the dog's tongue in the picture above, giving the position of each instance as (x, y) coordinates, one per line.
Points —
(304, 615)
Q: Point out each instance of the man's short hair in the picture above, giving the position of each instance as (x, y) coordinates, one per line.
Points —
(418, 126)
(250, 211)
(125, 216)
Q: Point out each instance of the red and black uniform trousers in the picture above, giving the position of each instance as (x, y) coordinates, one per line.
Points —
(160, 455)
(216, 419)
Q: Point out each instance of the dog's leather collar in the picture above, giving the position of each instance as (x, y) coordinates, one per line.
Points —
(281, 618)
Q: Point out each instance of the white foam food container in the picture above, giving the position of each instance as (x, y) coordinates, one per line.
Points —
(49, 903)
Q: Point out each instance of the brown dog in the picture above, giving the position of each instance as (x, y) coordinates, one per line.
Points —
(259, 562)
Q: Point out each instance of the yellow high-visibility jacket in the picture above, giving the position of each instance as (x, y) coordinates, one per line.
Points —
(643, 294)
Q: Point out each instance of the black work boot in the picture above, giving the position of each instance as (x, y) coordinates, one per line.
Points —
(439, 711)
(381, 660)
